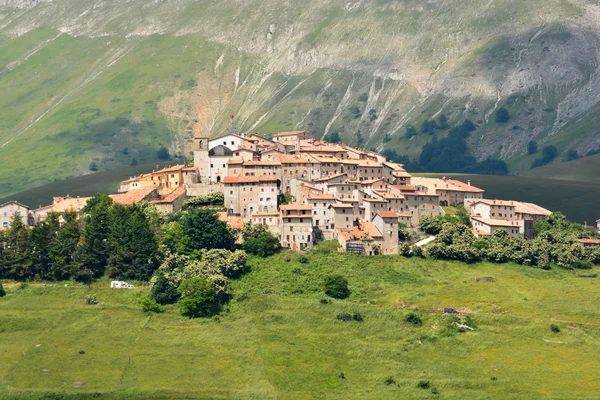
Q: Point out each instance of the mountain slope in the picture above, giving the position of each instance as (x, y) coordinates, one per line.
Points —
(107, 82)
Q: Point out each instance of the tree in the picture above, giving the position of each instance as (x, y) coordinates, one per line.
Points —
(163, 154)
(206, 231)
(198, 298)
(2, 291)
(16, 260)
(426, 126)
(336, 286)
(42, 235)
(532, 147)
(333, 137)
(411, 131)
(502, 115)
(572, 155)
(163, 292)
(93, 251)
(263, 245)
(63, 247)
(133, 246)
(443, 122)
(251, 231)
(430, 225)
(549, 153)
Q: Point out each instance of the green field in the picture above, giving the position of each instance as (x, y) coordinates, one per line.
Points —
(583, 169)
(578, 200)
(277, 341)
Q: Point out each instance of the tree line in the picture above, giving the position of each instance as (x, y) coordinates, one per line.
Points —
(136, 242)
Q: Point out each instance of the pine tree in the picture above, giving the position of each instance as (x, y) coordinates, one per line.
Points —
(92, 254)
(17, 254)
(64, 246)
(132, 243)
(42, 235)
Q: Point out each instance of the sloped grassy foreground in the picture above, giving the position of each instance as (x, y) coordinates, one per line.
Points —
(278, 339)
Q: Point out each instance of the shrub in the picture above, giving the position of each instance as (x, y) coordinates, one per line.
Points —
(532, 147)
(2, 291)
(414, 319)
(163, 154)
(198, 298)
(303, 260)
(344, 317)
(324, 301)
(90, 299)
(163, 292)
(150, 305)
(554, 328)
(357, 317)
(502, 115)
(336, 286)
(389, 381)
(23, 285)
(263, 245)
(423, 385)
(582, 264)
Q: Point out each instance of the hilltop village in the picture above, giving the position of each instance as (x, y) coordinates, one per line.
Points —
(306, 190)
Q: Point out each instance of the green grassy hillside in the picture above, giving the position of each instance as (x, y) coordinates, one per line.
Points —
(277, 340)
(583, 169)
(82, 81)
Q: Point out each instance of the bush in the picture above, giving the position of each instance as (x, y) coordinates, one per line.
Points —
(90, 299)
(357, 317)
(554, 328)
(163, 292)
(150, 305)
(198, 298)
(263, 245)
(2, 291)
(532, 147)
(336, 286)
(163, 154)
(344, 317)
(502, 115)
(414, 319)
(423, 385)
(582, 264)
(389, 381)
(209, 199)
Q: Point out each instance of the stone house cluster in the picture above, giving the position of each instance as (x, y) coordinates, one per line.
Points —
(332, 191)
(515, 217)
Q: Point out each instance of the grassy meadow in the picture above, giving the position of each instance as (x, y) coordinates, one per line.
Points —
(276, 340)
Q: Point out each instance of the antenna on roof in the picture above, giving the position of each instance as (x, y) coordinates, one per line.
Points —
(232, 128)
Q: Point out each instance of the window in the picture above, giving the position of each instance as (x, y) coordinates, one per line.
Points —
(291, 229)
(5, 224)
(301, 219)
(231, 192)
(212, 166)
(290, 220)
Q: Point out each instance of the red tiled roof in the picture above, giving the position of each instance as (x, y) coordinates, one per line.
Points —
(132, 196)
(295, 206)
(291, 133)
(367, 231)
(273, 163)
(496, 222)
(464, 186)
(388, 214)
(530, 208)
(250, 179)
(235, 221)
(171, 197)
(507, 203)
(405, 188)
(589, 241)
(320, 196)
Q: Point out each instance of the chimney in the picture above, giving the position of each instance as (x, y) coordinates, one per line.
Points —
(469, 182)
